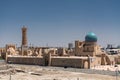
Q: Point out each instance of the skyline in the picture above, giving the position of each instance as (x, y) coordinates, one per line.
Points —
(59, 22)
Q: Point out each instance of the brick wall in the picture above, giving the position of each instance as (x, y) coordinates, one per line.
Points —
(26, 60)
(67, 62)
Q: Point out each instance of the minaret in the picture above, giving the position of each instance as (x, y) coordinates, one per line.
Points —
(24, 36)
(24, 46)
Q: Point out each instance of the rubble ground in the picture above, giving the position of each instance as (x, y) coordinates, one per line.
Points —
(33, 72)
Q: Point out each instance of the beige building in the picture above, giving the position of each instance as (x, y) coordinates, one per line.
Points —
(85, 54)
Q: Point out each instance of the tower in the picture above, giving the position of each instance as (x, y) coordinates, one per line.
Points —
(24, 36)
(24, 46)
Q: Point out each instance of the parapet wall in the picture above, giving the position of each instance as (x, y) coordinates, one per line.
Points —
(67, 62)
(26, 60)
(58, 61)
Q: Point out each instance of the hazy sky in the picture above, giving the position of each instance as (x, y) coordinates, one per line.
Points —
(59, 22)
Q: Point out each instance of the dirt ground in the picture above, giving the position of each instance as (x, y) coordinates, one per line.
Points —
(26, 72)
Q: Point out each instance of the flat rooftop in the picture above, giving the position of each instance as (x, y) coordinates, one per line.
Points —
(71, 57)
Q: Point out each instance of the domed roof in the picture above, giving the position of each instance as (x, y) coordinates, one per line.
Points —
(91, 37)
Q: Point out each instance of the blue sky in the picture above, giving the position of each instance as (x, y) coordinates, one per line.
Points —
(59, 22)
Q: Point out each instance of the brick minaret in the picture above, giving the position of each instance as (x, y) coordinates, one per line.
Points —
(24, 36)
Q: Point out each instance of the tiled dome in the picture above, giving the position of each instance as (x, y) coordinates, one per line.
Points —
(91, 37)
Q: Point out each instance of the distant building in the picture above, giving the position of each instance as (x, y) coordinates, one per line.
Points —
(70, 46)
(109, 46)
(112, 49)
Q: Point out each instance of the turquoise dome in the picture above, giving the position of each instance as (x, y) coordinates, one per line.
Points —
(91, 37)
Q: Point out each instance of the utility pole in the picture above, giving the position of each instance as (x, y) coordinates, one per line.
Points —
(116, 70)
(10, 76)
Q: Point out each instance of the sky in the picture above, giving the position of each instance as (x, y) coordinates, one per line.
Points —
(59, 22)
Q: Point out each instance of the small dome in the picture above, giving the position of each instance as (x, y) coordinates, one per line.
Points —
(91, 37)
